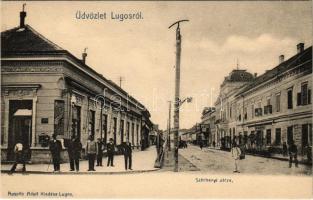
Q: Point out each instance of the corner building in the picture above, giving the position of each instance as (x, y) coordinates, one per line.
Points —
(46, 90)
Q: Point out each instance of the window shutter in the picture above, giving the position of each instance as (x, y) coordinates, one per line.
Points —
(309, 96)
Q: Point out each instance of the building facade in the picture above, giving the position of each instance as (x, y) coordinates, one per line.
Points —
(46, 90)
(267, 112)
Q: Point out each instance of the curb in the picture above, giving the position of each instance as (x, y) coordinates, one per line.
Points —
(79, 173)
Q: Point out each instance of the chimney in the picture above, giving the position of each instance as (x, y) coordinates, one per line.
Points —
(255, 75)
(22, 17)
(84, 55)
(300, 47)
(281, 59)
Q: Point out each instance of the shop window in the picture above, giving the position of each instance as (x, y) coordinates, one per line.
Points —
(289, 134)
(306, 135)
(133, 133)
(277, 136)
(76, 121)
(127, 130)
(122, 130)
(310, 134)
(268, 137)
(137, 134)
(91, 124)
(104, 127)
(59, 109)
(114, 129)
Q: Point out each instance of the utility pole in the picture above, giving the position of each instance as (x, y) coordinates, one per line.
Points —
(169, 125)
(177, 88)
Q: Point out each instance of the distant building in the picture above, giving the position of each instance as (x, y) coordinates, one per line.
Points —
(46, 90)
(225, 107)
(263, 112)
(208, 120)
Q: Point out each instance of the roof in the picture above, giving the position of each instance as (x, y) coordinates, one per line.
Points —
(238, 75)
(292, 62)
(26, 40)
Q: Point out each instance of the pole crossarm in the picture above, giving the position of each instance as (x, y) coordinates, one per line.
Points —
(177, 22)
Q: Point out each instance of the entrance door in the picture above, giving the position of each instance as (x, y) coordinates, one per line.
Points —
(22, 129)
(305, 136)
(20, 126)
(289, 135)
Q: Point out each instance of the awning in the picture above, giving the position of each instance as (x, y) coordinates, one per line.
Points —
(23, 112)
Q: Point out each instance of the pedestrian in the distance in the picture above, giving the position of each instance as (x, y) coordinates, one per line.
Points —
(201, 145)
(110, 152)
(19, 157)
(235, 152)
(74, 149)
(293, 154)
(100, 152)
(91, 150)
(127, 151)
(55, 147)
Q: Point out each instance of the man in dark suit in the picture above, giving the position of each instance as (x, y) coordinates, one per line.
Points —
(100, 152)
(127, 151)
(74, 149)
(55, 147)
(110, 151)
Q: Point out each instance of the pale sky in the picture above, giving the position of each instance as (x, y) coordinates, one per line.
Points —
(143, 51)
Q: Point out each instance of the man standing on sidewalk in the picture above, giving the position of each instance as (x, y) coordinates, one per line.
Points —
(74, 149)
(19, 157)
(110, 151)
(293, 154)
(235, 152)
(100, 152)
(127, 151)
(55, 149)
(91, 150)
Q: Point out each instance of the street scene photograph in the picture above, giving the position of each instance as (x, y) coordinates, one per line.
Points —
(100, 94)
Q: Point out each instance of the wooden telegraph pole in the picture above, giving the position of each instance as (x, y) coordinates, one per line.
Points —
(177, 88)
(169, 125)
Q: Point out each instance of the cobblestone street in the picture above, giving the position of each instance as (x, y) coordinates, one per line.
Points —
(217, 161)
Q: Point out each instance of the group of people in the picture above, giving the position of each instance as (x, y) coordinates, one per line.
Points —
(94, 151)
(238, 154)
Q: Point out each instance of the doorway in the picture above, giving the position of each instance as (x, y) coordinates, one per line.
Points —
(20, 127)
(289, 135)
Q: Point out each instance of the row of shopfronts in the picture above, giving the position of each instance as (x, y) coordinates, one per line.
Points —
(263, 113)
(46, 90)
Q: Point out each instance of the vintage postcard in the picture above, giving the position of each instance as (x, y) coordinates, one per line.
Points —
(156, 99)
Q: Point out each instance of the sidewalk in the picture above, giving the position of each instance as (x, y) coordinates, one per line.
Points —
(142, 161)
(301, 159)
